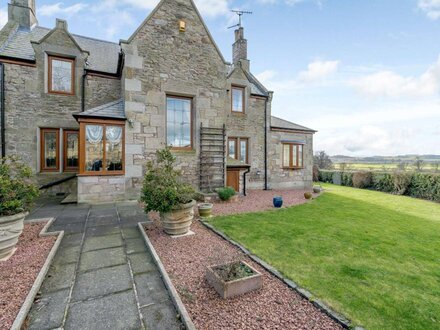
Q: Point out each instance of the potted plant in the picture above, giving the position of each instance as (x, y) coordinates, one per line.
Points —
(234, 278)
(164, 192)
(205, 210)
(308, 195)
(17, 193)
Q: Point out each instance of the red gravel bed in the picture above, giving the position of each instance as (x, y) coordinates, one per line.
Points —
(275, 306)
(259, 200)
(17, 275)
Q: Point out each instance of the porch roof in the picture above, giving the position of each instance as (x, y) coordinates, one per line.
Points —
(112, 110)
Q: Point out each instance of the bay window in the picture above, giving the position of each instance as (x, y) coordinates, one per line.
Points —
(179, 122)
(293, 156)
(102, 148)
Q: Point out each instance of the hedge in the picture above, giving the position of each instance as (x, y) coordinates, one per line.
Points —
(414, 184)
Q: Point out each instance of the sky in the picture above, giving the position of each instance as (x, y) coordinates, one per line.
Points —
(364, 73)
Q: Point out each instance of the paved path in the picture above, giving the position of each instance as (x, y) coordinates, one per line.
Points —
(102, 276)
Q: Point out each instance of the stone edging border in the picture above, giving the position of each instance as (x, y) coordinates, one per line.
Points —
(344, 322)
(184, 316)
(27, 304)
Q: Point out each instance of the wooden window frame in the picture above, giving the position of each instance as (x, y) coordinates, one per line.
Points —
(191, 147)
(237, 142)
(65, 167)
(243, 93)
(82, 147)
(292, 165)
(65, 59)
(43, 167)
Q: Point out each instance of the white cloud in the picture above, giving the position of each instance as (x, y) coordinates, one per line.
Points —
(431, 8)
(59, 9)
(319, 70)
(289, 2)
(3, 17)
(391, 84)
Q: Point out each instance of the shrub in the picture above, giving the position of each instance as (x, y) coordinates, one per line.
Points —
(163, 189)
(347, 179)
(326, 176)
(383, 182)
(17, 192)
(226, 193)
(362, 180)
(426, 186)
(401, 182)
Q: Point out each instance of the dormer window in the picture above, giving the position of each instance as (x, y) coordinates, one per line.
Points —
(238, 97)
(61, 75)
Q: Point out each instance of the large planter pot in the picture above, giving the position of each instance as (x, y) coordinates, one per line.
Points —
(179, 220)
(317, 189)
(231, 288)
(205, 210)
(11, 228)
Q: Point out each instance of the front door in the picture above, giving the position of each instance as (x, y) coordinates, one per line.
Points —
(233, 179)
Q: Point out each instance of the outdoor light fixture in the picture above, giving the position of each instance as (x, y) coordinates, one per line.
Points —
(131, 122)
(182, 26)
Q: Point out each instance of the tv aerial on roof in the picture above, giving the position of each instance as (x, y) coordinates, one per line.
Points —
(239, 13)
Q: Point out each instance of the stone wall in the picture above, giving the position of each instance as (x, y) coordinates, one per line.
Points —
(286, 178)
(102, 189)
(162, 61)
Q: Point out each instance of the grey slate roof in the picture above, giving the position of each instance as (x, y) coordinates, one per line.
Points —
(284, 124)
(115, 110)
(104, 55)
(257, 88)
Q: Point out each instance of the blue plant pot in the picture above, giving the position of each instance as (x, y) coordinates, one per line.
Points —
(278, 202)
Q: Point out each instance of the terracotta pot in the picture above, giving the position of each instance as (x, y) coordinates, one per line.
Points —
(179, 220)
(205, 210)
(11, 228)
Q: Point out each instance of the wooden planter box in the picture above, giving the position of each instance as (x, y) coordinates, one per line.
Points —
(236, 287)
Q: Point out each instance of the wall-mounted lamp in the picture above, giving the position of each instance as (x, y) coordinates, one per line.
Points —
(182, 26)
(258, 173)
(131, 122)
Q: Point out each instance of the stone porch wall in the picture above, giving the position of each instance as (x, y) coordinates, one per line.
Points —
(102, 189)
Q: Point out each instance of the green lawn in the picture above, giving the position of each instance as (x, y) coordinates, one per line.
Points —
(372, 256)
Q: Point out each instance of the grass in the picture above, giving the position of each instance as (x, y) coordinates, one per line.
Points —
(372, 256)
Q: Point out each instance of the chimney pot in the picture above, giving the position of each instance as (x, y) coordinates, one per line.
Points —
(239, 48)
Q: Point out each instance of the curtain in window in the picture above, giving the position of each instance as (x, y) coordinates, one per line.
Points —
(94, 134)
(113, 134)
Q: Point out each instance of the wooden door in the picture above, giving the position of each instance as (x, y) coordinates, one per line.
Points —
(233, 179)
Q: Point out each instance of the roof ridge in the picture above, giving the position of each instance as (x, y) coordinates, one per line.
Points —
(81, 36)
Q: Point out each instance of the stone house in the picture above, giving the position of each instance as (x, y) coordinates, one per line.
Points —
(88, 114)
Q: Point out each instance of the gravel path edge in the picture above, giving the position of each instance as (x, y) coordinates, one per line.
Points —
(184, 315)
(27, 304)
(337, 317)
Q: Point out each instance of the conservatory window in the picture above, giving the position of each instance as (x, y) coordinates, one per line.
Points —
(103, 149)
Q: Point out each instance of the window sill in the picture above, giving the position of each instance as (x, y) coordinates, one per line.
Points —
(61, 94)
(102, 174)
(293, 168)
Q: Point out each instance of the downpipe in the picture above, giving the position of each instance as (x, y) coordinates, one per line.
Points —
(244, 180)
(2, 110)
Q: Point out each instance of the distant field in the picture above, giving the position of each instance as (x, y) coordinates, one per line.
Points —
(383, 167)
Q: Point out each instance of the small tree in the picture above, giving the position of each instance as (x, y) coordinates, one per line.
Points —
(322, 160)
(419, 164)
(163, 188)
(17, 191)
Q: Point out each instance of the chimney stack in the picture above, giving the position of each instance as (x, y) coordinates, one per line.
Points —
(22, 12)
(239, 49)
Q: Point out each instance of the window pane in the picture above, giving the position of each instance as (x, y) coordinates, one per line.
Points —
(231, 148)
(294, 158)
(286, 155)
(179, 122)
(243, 151)
(300, 156)
(113, 136)
(72, 144)
(237, 100)
(50, 150)
(94, 148)
(61, 76)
